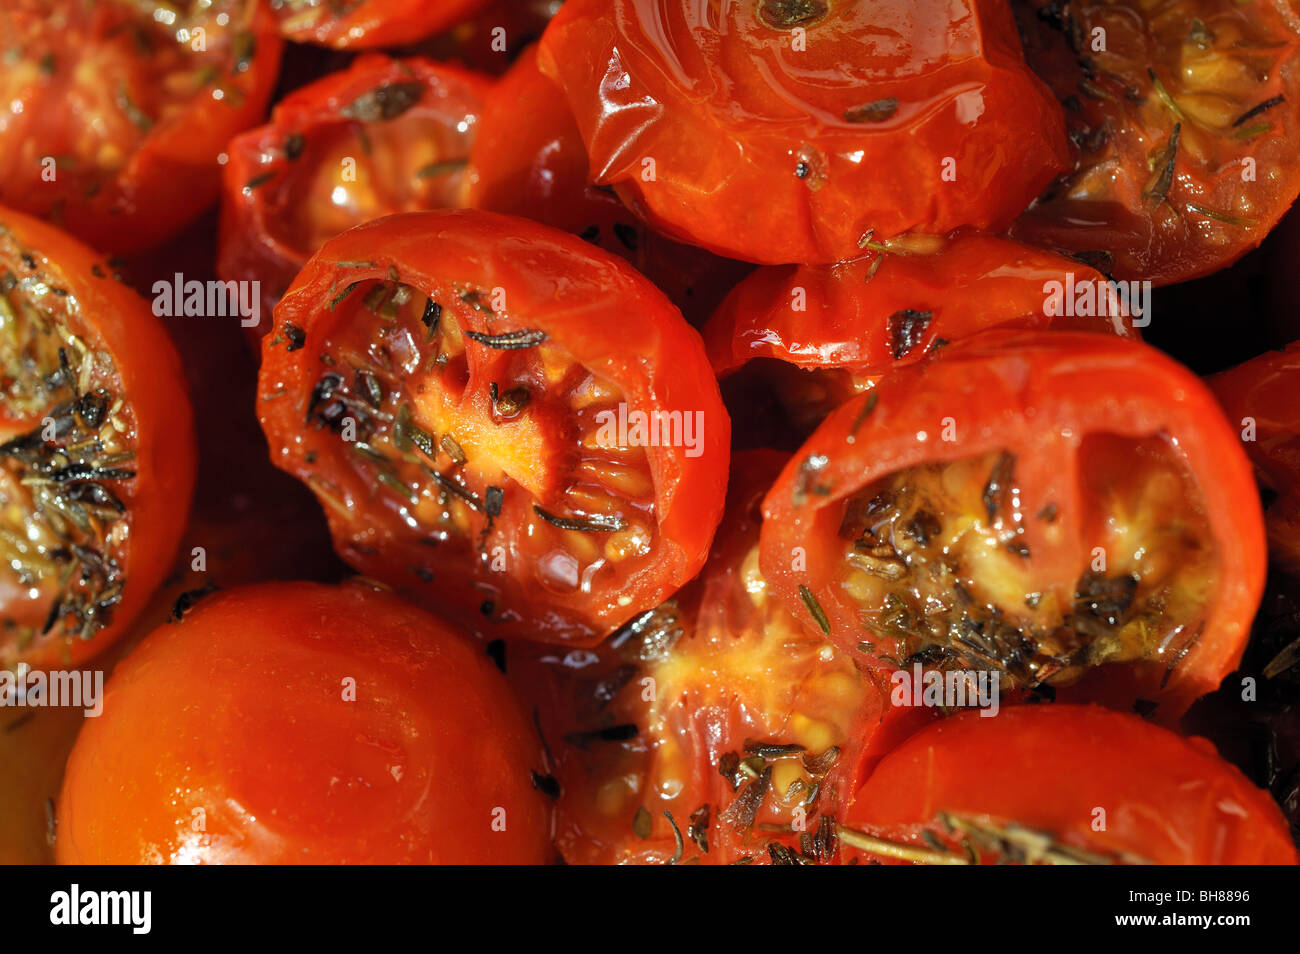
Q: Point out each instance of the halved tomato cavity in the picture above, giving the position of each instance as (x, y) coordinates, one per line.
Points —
(461, 431)
(779, 405)
(937, 559)
(68, 445)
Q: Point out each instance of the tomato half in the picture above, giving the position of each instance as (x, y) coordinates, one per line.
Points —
(500, 420)
(1059, 508)
(819, 334)
(1262, 399)
(718, 709)
(97, 452)
(301, 723)
(791, 130)
(380, 137)
(528, 159)
(117, 111)
(1184, 122)
(1061, 784)
(364, 24)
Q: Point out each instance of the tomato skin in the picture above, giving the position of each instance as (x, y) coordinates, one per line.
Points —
(528, 159)
(242, 711)
(1262, 396)
(255, 243)
(569, 290)
(169, 178)
(376, 23)
(158, 498)
(1036, 395)
(1167, 799)
(754, 158)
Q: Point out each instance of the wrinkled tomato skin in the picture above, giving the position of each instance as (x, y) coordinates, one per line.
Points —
(168, 180)
(151, 376)
(1262, 399)
(304, 723)
(375, 23)
(1167, 800)
(1035, 395)
(719, 132)
(579, 296)
(253, 245)
(528, 159)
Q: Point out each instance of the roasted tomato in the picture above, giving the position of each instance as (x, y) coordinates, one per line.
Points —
(116, 111)
(1262, 398)
(97, 456)
(791, 130)
(363, 24)
(528, 159)
(489, 429)
(819, 334)
(1061, 784)
(1184, 121)
(383, 136)
(717, 717)
(1058, 508)
(302, 723)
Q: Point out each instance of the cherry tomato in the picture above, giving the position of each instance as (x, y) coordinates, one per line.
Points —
(488, 431)
(301, 723)
(528, 159)
(719, 709)
(1062, 509)
(1184, 121)
(820, 334)
(118, 110)
(791, 131)
(363, 24)
(1262, 399)
(97, 452)
(380, 137)
(1032, 786)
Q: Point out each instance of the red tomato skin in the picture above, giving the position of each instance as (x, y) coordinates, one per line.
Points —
(1007, 383)
(166, 456)
(661, 81)
(376, 23)
(1166, 799)
(239, 715)
(568, 288)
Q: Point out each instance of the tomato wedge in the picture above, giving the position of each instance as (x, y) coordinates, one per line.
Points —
(1063, 509)
(528, 159)
(364, 24)
(488, 427)
(117, 111)
(1262, 398)
(1184, 123)
(97, 454)
(1061, 784)
(718, 709)
(791, 131)
(299, 723)
(380, 137)
(817, 335)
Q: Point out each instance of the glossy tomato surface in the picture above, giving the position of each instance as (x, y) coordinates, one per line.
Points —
(781, 132)
(489, 428)
(97, 453)
(365, 24)
(1062, 784)
(301, 723)
(1059, 508)
(117, 111)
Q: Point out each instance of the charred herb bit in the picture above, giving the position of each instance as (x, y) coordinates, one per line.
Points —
(815, 609)
(999, 485)
(627, 235)
(296, 337)
(729, 768)
(1157, 187)
(511, 340)
(596, 523)
(817, 765)
(771, 751)
(877, 111)
(338, 299)
(1263, 107)
(185, 602)
(906, 330)
(743, 811)
(782, 855)
(493, 499)
(512, 402)
(453, 450)
(1224, 217)
(868, 406)
(242, 49)
(786, 14)
(821, 845)
(432, 315)
(614, 733)
(259, 180)
(547, 784)
(441, 168)
(131, 111)
(456, 489)
(294, 146)
(369, 387)
(679, 845)
(698, 830)
(384, 102)
(641, 823)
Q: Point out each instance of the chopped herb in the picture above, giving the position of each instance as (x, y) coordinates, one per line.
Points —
(877, 111)
(384, 102)
(435, 169)
(596, 523)
(511, 340)
(906, 330)
(815, 609)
